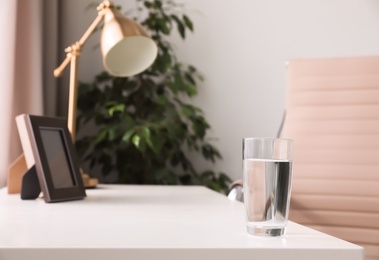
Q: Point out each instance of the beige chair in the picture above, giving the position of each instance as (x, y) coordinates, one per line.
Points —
(332, 113)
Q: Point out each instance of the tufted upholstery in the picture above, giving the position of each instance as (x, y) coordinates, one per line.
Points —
(332, 113)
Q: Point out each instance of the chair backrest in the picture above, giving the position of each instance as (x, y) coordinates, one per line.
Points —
(332, 113)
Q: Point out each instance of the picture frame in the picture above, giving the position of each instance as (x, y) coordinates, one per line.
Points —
(48, 146)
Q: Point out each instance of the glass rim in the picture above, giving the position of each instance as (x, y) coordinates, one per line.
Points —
(267, 139)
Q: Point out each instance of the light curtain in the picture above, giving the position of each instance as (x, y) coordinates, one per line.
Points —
(7, 49)
(22, 71)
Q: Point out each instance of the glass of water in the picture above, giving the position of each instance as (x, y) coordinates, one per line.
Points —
(267, 171)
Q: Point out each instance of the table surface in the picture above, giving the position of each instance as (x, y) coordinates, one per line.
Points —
(157, 222)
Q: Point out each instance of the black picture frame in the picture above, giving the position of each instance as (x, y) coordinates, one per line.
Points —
(56, 164)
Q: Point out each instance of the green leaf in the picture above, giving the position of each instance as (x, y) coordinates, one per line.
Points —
(188, 22)
(166, 176)
(187, 111)
(181, 28)
(102, 135)
(126, 137)
(148, 4)
(116, 108)
(111, 134)
(103, 76)
(166, 60)
(136, 140)
(162, 100)
(191, 90)
(127, 121)
(157, 143)
(163, 26)
(158, 4)
(147, 136)
(199, 126)
(139, 143)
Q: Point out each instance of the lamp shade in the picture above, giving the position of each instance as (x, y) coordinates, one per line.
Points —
(127, 49)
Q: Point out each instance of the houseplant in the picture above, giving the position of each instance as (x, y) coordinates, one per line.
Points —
(145, 126)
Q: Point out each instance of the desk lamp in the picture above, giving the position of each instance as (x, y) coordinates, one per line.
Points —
(126, 49)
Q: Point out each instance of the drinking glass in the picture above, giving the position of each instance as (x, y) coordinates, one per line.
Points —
(267, 171)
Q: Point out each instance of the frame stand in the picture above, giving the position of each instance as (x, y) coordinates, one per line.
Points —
(30, 188)
(15, 172)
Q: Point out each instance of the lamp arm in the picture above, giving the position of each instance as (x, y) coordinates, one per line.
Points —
(73, 53)
(58, 71)
(74, 49)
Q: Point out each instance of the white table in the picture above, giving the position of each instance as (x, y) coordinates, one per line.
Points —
(151, 222)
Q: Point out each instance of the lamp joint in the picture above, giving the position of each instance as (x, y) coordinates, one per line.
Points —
(104, 5)
(74, 49)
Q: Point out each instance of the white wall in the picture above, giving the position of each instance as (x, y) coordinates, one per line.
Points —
(241, 47)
